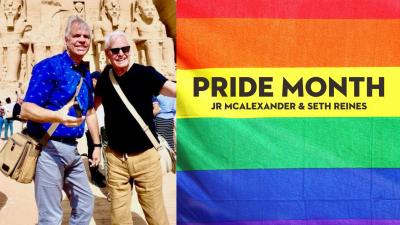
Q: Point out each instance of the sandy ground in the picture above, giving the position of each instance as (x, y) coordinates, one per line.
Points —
(17, 203)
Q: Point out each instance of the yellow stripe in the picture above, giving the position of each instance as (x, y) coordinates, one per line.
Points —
(190, 106)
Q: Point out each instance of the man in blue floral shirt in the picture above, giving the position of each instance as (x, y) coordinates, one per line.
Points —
(59, 167)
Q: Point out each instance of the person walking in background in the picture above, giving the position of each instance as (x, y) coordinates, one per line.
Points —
(8, 118)
(130, 154)
(17, 114)
(165, 118)
(1, 118)
(59, 167)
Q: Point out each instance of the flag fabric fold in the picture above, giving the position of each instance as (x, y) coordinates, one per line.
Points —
(336, 163)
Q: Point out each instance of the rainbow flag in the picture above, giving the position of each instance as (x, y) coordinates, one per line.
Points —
(288, 112)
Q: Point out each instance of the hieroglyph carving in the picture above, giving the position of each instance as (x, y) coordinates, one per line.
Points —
(79, 9)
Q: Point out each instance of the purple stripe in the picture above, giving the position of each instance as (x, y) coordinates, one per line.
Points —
(304, 222)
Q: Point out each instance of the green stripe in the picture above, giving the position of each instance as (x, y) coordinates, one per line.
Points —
(262, 143)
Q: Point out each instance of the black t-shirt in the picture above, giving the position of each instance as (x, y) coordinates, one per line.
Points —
(139, 84)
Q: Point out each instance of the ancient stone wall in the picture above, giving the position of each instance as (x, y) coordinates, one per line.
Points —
(31, 30)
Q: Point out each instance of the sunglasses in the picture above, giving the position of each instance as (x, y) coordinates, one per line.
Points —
(124, 49)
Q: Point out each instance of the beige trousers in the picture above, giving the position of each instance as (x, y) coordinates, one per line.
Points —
(145, 170)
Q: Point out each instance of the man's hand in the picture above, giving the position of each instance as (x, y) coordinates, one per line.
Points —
(96, 157)
(33, 112)
(69, 121)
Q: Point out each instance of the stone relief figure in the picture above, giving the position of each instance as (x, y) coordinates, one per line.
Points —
(155, 48)
(22, 71)
(33, 30)
(110, 21)
(79, 9)
(27, 64)
(48, 40)
(13, 39)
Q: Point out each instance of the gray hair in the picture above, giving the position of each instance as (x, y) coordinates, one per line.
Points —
(111, 36)
(77, 20)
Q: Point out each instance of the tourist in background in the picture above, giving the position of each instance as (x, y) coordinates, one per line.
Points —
(8, 118)
(165, 118)
(18, 122)
(1, 118)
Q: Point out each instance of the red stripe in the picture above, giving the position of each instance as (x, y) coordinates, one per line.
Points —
(290, 9)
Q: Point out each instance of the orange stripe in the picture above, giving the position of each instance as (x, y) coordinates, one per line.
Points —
(224, 43)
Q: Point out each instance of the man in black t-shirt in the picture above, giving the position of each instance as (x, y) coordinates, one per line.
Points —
(130, 154)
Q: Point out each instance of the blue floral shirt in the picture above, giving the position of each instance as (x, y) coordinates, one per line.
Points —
(53, 83)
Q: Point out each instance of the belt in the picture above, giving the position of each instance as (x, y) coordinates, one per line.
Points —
(64, 140)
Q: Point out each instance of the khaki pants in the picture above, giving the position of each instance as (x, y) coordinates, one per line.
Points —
(144, 168)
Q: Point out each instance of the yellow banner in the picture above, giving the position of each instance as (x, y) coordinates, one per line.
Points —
(289, 92)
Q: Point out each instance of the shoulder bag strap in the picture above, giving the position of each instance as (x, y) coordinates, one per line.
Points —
(133, 111)
(54, 126)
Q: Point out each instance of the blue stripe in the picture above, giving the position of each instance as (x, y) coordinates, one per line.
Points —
(288, 194)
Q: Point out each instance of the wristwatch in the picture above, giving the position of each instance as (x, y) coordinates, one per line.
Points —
(97, 145)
